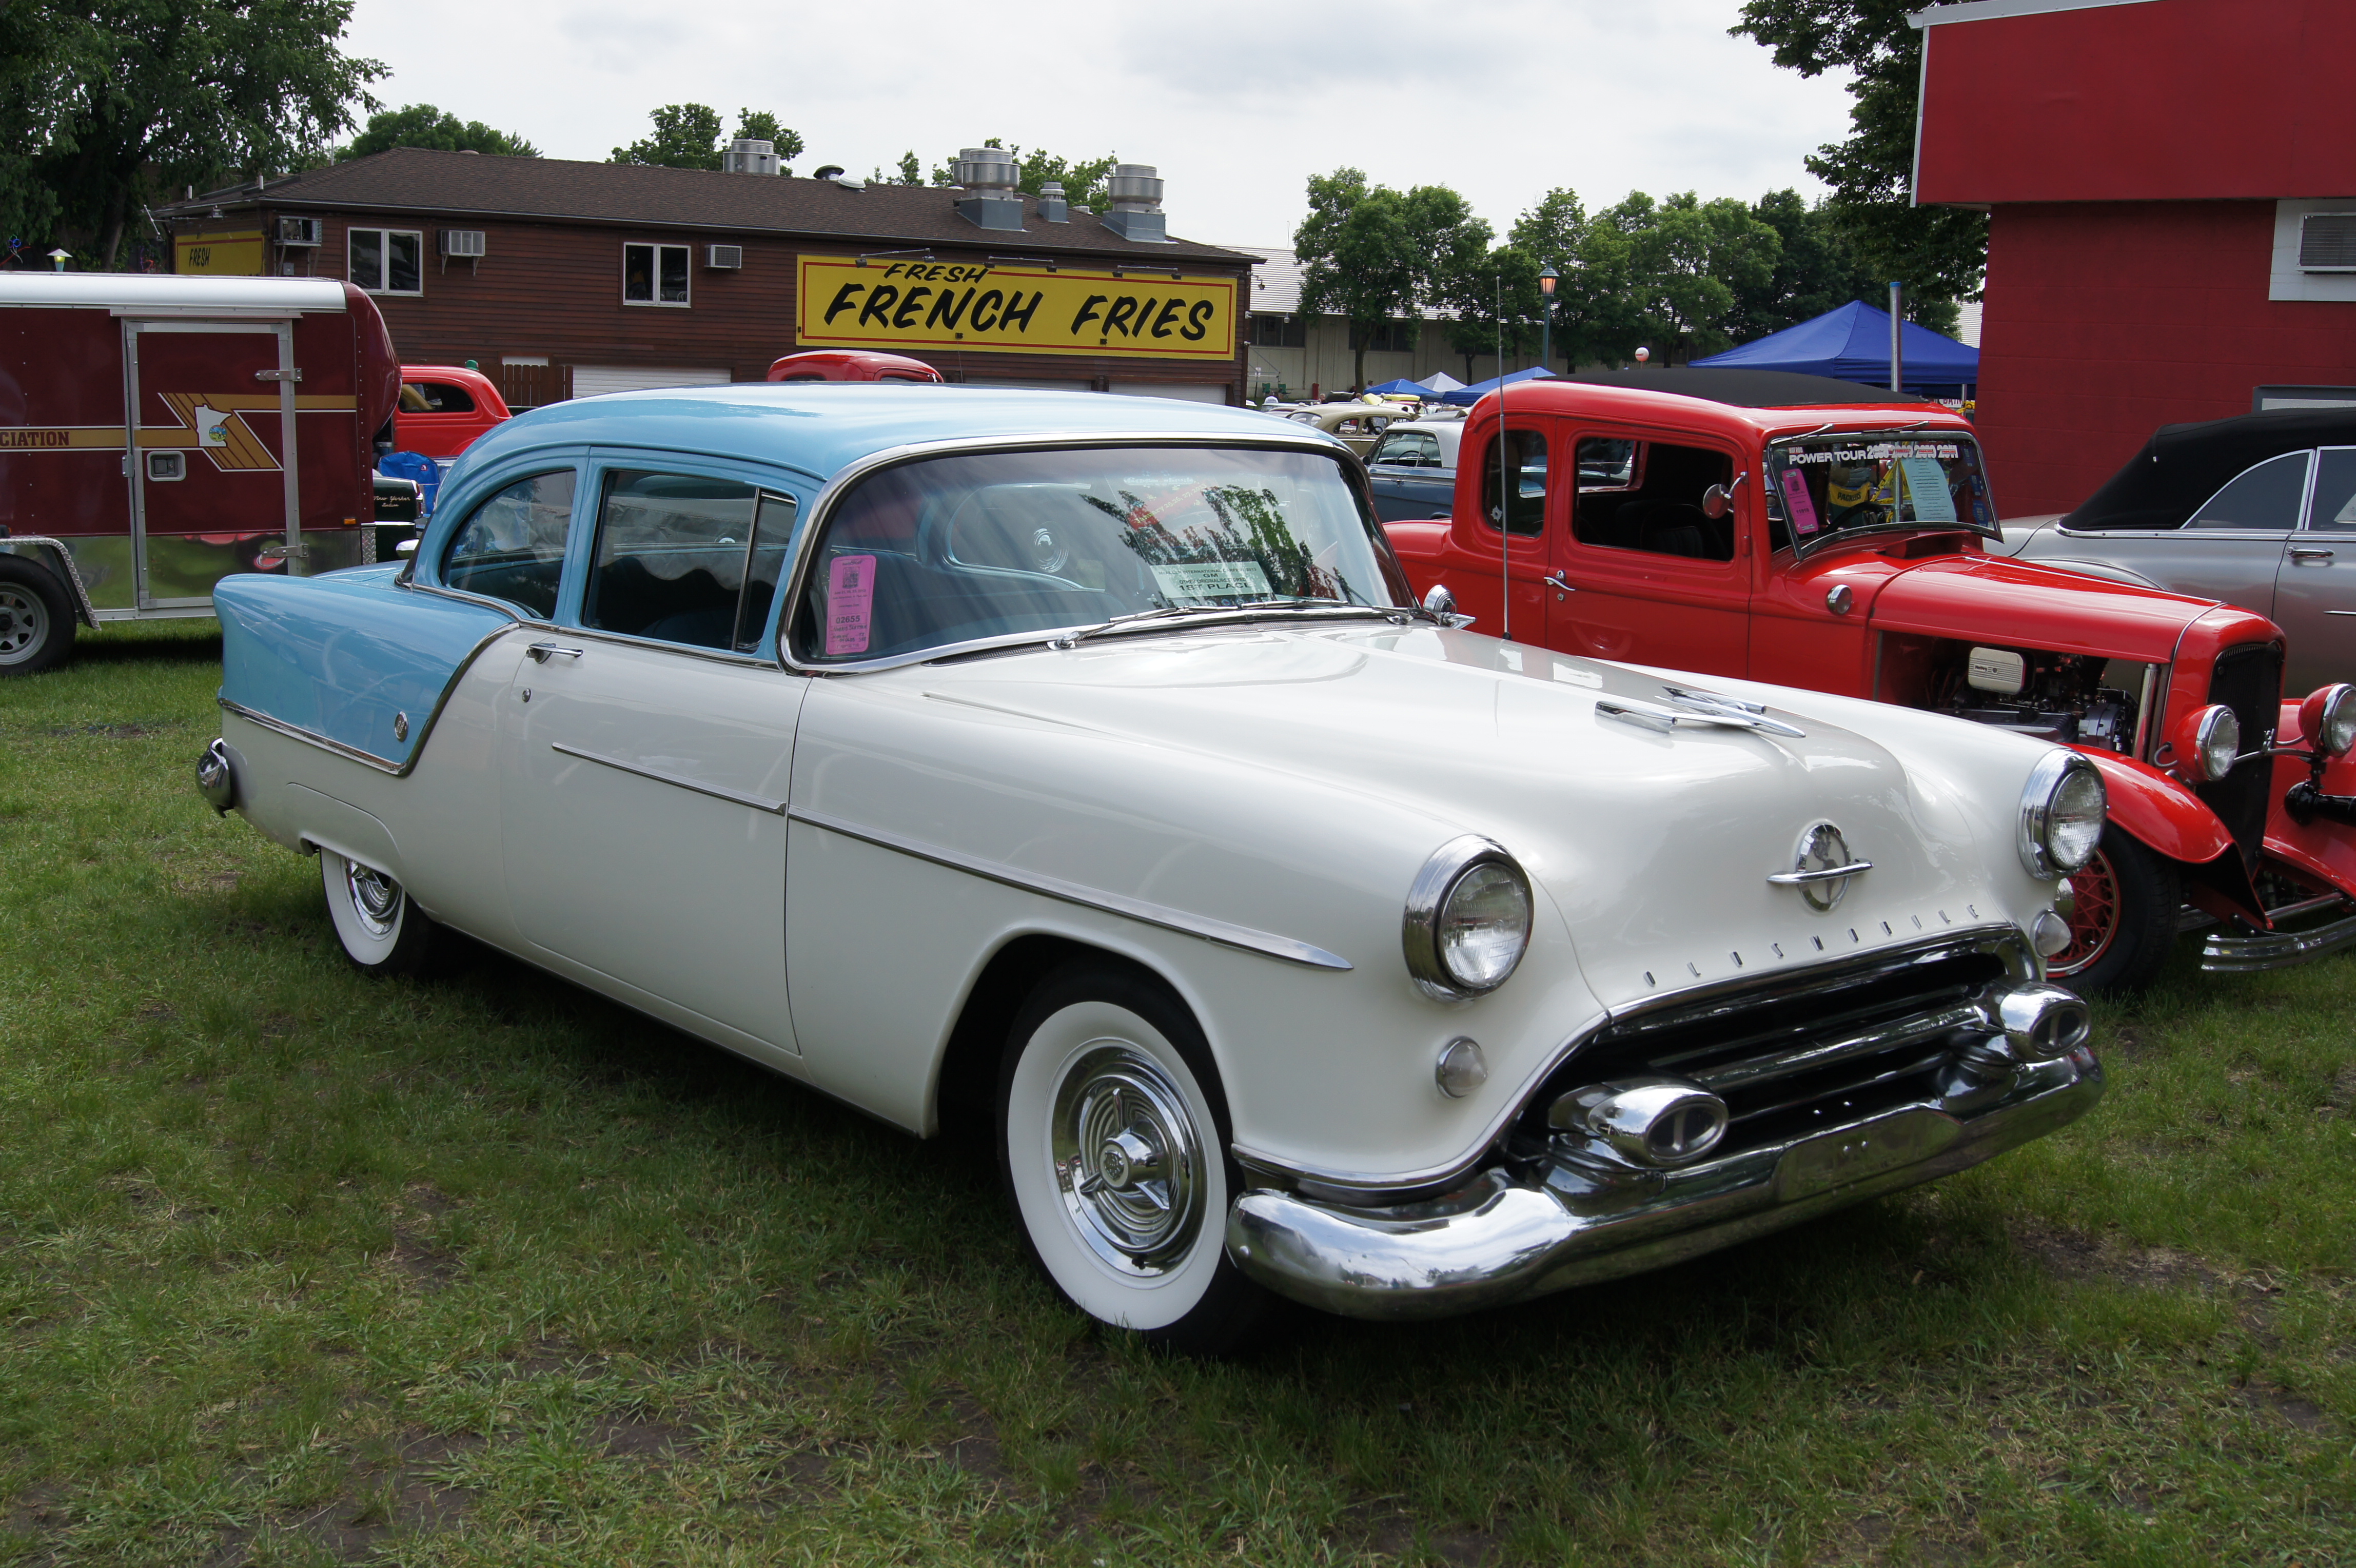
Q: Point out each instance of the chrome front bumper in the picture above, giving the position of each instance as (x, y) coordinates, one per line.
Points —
(1501, 1238)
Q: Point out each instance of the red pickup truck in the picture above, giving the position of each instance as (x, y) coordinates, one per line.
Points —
(1818, 534)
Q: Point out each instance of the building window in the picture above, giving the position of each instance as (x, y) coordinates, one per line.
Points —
(1390, 337)
(385, 261)
(653, 274)
(1279, 332)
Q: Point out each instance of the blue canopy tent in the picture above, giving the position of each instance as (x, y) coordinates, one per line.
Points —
(1464, 397)
(1852, 344)
(1402, 387)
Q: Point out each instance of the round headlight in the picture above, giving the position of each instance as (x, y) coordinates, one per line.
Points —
(2062, 811)
(1468, 919)
(2206, 742)
(2327, 719)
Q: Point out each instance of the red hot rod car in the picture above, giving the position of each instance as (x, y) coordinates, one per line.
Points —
(1812, 533)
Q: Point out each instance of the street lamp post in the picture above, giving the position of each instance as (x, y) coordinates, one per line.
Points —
(1546, 317)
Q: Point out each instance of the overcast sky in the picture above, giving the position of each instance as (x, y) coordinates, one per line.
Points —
(1235, 103)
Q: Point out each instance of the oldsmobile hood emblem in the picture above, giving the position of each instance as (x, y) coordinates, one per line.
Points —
(1822, 867)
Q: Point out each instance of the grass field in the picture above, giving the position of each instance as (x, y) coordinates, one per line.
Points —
(299, 1268)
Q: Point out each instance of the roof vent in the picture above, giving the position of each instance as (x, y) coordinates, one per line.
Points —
(2327, 243)
(747, 155)
(828, 172)
(988, 173)
(1136, 204)
(1053, 209)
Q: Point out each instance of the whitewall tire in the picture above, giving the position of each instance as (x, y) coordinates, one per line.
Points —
(382, 932)
(1113, 1139)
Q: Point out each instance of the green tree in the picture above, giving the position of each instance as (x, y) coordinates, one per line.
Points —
(1664, 274)
(760, 126)
(111, 105)
(1940, 251)
(687, 136)
(1493, 304)
(423, 125)
(1818, 269)
(1372, 254)
(1552, 234)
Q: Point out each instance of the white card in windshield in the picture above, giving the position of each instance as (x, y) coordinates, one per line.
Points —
(1926, 483)
(1194, 580)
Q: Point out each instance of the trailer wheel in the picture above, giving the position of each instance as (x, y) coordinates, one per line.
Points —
(37, 620)
(2125, 925)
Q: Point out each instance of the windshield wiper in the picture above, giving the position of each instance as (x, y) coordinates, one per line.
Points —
(1145, 620)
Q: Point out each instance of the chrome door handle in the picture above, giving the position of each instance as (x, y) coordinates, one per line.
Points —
(2309, 553)
(1555, 580)
(544, 651)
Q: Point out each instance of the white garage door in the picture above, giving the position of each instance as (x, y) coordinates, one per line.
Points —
(1189, 391)
(588, 381)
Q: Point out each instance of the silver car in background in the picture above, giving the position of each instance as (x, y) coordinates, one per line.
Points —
(2257, 510)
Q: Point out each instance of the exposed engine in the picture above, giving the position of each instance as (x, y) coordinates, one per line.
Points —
(2045, 696)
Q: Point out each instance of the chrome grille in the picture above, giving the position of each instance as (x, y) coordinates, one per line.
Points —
(1813, 1051)
(2248, 679)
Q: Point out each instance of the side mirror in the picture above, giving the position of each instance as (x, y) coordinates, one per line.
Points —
(1716, 502)
(1441, 606)
(406, 547)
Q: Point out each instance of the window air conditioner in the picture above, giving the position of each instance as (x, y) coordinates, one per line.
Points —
(462, 242)
(2327, 243)
(724, 258)
(298, 231)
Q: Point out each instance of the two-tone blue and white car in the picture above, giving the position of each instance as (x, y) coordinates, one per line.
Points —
(1079, 769)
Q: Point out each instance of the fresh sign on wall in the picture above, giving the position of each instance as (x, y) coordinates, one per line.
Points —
(1013, 310)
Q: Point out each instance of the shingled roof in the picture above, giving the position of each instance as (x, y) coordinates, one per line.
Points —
(472, 184)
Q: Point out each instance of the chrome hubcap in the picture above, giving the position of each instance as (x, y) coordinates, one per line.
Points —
(23, 620)
(1129, 1160)
(375, 899)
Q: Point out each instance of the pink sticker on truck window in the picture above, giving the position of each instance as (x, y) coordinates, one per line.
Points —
(1795, 497)
(849, 601)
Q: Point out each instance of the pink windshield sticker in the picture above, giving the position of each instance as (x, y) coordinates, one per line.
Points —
(850, 598)
(1796, 497)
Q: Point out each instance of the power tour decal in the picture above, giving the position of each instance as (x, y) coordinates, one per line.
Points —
(1013, 310)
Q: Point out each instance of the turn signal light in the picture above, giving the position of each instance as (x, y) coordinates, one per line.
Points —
(2327, 719)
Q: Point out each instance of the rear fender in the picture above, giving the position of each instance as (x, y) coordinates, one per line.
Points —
(2172, 821)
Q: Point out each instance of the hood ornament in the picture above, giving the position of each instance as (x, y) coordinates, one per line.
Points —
(1822, 867)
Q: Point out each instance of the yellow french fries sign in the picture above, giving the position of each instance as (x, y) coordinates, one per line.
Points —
(972, 307)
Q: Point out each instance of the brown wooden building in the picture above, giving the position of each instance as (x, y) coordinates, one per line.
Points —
(564, 279)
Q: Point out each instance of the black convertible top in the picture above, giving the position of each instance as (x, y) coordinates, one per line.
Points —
(2183, 464)
(1747, 389)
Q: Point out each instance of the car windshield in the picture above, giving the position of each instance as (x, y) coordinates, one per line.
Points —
(1855, 482)
(959, 549)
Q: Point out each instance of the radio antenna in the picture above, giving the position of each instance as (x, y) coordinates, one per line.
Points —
(1505, 492)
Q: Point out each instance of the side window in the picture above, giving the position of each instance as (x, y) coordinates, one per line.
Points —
(2266, 497)
(1409, 449)
(512, 547)
(685, 559)
(386, 260)
(2335, 489)
(653, 274)
(441, 397)
(1526, 458)
(1650, 499)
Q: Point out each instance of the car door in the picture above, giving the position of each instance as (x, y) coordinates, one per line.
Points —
(648, 745)
(1411, 477)
(1481, 568)
(2231, 549)
(1642, 572)
(2315, 588)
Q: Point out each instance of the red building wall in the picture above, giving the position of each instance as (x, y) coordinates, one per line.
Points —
(2105, 321)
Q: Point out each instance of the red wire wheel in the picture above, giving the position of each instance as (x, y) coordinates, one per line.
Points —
(2095, 923)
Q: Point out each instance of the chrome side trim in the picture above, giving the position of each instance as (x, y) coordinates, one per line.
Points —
(368, 758)
(758, 802)
(2005, 942)
(2223, 954)
(1242, 938)
(1652, 715)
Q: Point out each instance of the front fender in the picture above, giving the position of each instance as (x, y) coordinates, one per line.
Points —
(2170, 821)
(2321, 849)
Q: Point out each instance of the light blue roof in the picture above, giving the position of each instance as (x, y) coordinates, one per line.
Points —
(821, 427)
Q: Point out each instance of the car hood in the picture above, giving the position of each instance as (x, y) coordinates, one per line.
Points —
(1986, 598)
(1655, 847)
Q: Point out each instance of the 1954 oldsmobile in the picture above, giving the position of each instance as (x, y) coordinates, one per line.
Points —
(1079, 769)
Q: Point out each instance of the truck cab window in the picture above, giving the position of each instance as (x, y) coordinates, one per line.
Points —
(512, 547)
(1652, 500)
(1526, 458)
